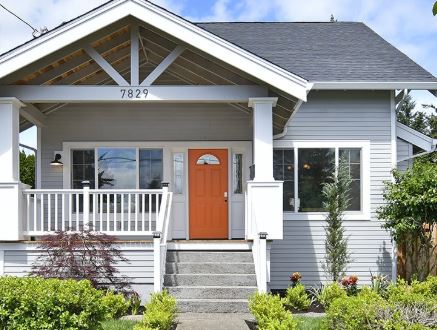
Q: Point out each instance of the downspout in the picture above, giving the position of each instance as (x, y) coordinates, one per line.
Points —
(284, 132)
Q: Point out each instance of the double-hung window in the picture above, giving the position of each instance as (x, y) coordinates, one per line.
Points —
(305, 166)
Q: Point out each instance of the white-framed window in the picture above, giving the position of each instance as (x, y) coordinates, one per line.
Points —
(117, 167)
(305, 165)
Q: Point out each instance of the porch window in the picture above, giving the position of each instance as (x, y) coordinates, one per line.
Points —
(150, 168)
(283, 170)
(116, 168)
(312, 167)
(83, 166)
(237, 173)
(178, 172)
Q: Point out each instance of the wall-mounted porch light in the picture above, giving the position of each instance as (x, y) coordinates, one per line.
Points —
(57, 160)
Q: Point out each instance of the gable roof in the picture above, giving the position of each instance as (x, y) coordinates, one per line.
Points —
(324, 52)
(165, 21)
(415, 138)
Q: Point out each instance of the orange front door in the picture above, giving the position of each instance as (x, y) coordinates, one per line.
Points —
(208, 182)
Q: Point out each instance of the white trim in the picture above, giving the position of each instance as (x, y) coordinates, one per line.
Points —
(414, 137)
(38, 158)
(364, 145)
(166, 62)
(394, 154)
(34, 246)
(105, 94)
(165, 21)
(373, 85)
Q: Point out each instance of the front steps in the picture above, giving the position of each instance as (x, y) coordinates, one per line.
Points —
(204, 281)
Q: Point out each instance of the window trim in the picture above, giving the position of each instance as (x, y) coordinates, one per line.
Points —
(364, 145)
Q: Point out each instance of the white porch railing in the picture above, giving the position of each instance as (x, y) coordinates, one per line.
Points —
(112, 211)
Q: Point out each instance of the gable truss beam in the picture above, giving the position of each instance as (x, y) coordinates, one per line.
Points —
(34, 115)
(159, 70)
(105, 66)
(171, 94)
(134, 55)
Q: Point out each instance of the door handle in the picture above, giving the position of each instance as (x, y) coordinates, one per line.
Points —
(225, 195)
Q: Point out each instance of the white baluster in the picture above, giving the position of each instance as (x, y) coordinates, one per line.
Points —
(35, 212)
(49, 212)
(86, 204)
(56, 211)
(42, 212)
(63, 219)
(136, 212)
(122, 212)
(129, 200)
(115, 211)
(150, 211)
(143, 199)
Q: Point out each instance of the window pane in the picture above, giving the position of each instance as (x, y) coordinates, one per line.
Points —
(178, 172)
(237, 173)
(283, 170)
(150, 168)
(82, 168)
(352, 156)
(117, 168)
(314, 167)
(208, 159)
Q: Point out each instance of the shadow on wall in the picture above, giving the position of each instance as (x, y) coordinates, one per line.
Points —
(384, 259)
(301, 251)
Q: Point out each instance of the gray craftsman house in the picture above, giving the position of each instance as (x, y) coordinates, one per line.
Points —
(203, 147)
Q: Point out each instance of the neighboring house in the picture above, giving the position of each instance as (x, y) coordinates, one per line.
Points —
(244, 121)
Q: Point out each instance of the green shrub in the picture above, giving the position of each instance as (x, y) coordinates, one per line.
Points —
(34, 303)
(269, 312)
(331, 292)
(354, 312)
(116, 305)
(135, 303)
(160, 312)
(296, 298)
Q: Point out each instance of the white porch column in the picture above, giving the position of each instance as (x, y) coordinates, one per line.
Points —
(263, 137)
(10, 190)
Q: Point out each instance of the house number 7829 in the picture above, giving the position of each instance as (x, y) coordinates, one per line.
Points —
(134, 93)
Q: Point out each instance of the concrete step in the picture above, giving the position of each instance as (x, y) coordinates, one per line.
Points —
(209, 268)
(212, 306)
(210, 280)
(235, 292)
(209, 256)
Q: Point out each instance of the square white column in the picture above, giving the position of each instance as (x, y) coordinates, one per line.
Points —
(11, 198)
(263, 137)
(9, 139)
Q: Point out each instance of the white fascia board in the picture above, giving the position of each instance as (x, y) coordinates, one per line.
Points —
(374, 85)
(414, 137)
(167, 22)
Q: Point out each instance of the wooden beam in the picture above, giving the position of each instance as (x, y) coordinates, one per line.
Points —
(105, 66)
(171, 94)
(34, 115)
(163, 66)
(134, 55)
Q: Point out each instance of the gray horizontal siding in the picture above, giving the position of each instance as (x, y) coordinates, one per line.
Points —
(138, 268)
(404, 150)
(340, 116)
(137, 122)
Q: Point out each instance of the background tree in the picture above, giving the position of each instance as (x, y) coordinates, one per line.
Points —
(434, 9)
(27, 169)
(411, 214)
(336, 193)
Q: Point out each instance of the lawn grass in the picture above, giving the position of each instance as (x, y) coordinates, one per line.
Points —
(118, 325)
(309, 323)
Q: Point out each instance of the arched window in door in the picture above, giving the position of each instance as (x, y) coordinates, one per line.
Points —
(208, 159)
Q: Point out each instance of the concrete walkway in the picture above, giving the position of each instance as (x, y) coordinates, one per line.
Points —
(216, 321)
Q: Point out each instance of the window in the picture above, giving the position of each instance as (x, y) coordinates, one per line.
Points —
(178, 172)
(83, 168)
(283, 170)
(315, 166)
(237, 173)
(208, 159)
(117, 168)
(150, 168)
(307, 165)
(352, 157)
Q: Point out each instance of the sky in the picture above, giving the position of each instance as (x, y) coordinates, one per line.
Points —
(407, 24)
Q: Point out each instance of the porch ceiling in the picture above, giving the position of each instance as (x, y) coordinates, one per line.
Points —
(73, 66)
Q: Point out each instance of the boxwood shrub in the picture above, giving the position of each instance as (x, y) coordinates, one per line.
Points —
(160, 312)
(34, 303)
